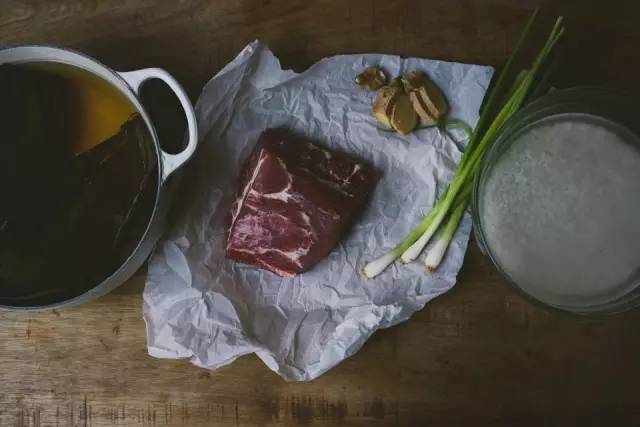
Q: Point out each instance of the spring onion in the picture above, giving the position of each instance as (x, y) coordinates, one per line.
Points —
(493, 117)
(468, 169)
(436, 253)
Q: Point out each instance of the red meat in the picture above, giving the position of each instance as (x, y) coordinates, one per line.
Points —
(294, 200)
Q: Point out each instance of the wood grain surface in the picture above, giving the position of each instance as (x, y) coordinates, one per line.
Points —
(479, 355)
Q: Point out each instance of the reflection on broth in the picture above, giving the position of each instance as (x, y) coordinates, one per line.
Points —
(77, 181)
(97, 108)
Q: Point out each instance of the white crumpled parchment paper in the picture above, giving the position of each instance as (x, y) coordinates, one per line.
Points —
(199, 305)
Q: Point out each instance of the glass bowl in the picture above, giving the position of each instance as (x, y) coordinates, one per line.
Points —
(601, 107)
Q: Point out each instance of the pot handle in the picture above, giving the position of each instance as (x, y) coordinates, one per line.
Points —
(170, 162)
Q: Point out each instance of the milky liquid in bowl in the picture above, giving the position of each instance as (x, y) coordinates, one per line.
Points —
(560, 210)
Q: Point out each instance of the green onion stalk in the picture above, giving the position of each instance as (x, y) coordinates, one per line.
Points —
(436, 253)
(411, 247)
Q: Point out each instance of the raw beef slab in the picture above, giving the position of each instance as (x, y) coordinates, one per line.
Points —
(294, 200)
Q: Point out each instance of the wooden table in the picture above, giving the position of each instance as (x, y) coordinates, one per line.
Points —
(479, 355)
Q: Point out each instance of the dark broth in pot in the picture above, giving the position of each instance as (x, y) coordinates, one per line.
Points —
(77, 181)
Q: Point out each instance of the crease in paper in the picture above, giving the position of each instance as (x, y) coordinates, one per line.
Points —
(199, 305)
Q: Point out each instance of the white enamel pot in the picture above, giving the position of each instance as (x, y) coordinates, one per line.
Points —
(128, 83)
